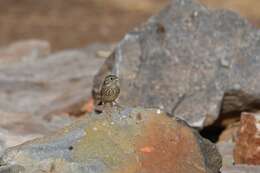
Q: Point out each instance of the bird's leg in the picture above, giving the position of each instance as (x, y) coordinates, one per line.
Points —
(118, 107)
(99, 107)
(117, 104)
(107, 108)
(111, 104)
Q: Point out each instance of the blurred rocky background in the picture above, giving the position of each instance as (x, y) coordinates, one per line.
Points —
(193, 59)
(68, 24)
(73, 23)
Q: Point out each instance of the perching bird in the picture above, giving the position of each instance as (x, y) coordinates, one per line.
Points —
(110, 89)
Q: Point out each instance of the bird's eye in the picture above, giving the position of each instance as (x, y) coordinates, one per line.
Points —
(111, 78)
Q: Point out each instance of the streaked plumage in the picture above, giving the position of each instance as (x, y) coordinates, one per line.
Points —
(110, 89)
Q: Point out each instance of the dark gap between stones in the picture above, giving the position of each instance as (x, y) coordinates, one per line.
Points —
(233, 104)
(213, 131)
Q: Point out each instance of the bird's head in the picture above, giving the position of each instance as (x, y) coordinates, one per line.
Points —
(110, 80)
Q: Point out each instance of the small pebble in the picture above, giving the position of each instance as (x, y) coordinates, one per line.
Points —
(224, 62)
(103, 54)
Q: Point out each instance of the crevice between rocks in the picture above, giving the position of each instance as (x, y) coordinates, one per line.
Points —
(233, 104)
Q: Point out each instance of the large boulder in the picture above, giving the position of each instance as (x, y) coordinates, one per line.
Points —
(129, 140)
(186, 60)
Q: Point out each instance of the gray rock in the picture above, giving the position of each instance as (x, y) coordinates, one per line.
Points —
(49, 84)
(187, 60)
(241, 169)
(129, 140)
(226, 150)
(24, 50)
(35, 86)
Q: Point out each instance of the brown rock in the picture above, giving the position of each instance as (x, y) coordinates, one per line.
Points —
(132, 140)
(247, 149)
(230, 133)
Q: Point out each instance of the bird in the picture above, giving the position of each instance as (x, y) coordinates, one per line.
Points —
(110, 89)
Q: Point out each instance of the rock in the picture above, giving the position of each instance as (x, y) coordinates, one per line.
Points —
(226, 150)
(241, 169)
(8, 139)
(186, 60)
(23, 50)
(37, 94)
(129, 140)
(230, 133)
(229, 121)
(226, 141)
(16, 128)
(56, 83)
(248, 9)
(247, 149)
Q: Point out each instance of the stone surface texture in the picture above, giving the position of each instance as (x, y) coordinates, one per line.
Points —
(241, 169)
(24, 49)
(230, 133)
(226, 150)
(39, 89)
(59, 80)
(247, 149)
(188, 61)
(129, 140)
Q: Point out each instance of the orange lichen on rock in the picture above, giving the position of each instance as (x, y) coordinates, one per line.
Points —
(147, 149)
(174, 148)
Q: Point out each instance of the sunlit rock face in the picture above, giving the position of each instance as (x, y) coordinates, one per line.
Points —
(129, 140)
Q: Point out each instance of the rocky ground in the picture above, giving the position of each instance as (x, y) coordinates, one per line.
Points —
(189, 99)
